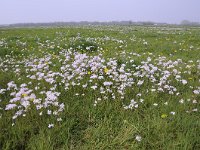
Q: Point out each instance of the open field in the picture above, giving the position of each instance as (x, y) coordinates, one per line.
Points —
(100, 87)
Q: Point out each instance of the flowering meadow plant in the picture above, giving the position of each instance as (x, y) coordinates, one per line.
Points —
(90, 88)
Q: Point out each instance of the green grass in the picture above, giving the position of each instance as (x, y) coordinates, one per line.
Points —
(108, 125)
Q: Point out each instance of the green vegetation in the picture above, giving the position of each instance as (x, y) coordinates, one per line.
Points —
(100, 87)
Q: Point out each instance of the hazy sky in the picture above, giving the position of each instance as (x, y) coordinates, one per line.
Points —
(170, 11)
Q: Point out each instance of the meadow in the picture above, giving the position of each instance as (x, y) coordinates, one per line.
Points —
(100, 87)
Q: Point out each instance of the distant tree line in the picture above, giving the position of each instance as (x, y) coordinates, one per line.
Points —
(189, 23)
(148, 23)
(142, 23)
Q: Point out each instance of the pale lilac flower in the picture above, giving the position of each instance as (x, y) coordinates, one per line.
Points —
(184, 82)
(10, 106)
(196, 92)
(107, 83)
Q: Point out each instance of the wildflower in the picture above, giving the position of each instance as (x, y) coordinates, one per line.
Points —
(133, 104)
(138, 138)
(195, 110)
(184, 82)
(84, 86)
(166, 103)
(106, 70)
(194, 101)
(94, 87)
(181, 101)
(145, 43)
(141, 100)
(59, 119)
(164, 116)
(172, 112)
(196, 91)
(12, 85)
(10, 106)
(2, 91)
(155, 104)
(26, 104)
(107, 83)
(24, 95)
(49, 112)
(95, 103)
(139, 94)
(140, 82)
(50, 125)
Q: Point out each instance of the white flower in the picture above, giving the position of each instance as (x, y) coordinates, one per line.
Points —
(141, 100)
(138, 138)
(195, 109)
(84, 86)
(181, 101)
(166, 103)
(172, 112)
(133, 104)
(49, 112)
(145, 43)
(50, 125)
(94, 87)
(140, 82)
(194, 101)
(155, 104)
(59, 119)
(2, 91)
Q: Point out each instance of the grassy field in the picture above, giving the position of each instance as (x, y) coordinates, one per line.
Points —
(100, 87)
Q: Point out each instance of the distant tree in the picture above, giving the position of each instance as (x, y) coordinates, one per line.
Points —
(185, 22)
(189, 23)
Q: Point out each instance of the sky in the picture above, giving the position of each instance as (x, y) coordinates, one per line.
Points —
(33, 11)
